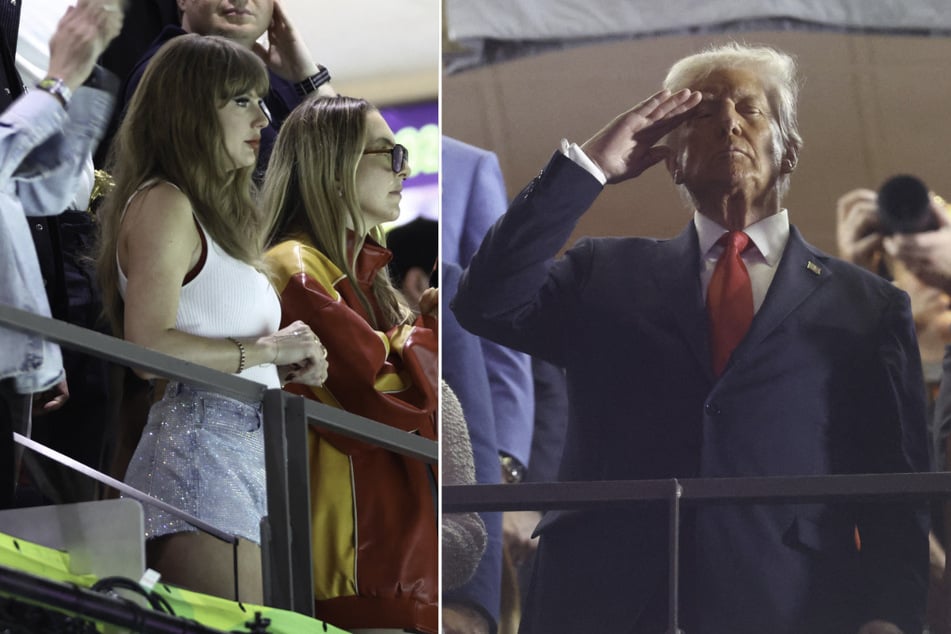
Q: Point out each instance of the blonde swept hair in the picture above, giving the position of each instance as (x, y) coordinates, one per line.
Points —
(310, 189)
(171, 132)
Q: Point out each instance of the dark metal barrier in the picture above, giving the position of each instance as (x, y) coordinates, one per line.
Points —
(548, 496)
(285, 532)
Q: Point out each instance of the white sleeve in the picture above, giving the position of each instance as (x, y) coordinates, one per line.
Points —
(574, 152)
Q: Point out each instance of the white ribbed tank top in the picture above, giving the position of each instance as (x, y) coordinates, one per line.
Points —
(227, 298)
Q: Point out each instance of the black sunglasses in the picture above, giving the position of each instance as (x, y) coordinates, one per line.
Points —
(399, 157)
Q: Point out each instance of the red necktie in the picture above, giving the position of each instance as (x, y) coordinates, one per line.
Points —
(729, 299)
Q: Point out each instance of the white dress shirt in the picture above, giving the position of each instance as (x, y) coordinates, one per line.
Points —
(768, 238)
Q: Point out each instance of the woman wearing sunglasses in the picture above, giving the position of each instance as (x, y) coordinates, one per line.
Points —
(334, 177)
(180, 263)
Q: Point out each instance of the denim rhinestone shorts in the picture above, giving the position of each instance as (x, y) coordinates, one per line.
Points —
(204, 454)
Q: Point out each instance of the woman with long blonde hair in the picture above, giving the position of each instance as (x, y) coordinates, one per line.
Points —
(180, 264)
(335, 175)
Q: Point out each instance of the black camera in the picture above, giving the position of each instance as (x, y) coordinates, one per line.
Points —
(904, 206)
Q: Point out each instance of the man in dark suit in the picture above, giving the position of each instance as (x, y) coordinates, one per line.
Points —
(734, 349)
(144, 20)
(292, 71)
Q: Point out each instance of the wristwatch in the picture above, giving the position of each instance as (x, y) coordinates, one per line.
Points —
(58, 88)
(513, 471)
(312, 83)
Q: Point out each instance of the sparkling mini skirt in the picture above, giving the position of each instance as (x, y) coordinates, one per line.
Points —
(202, 453)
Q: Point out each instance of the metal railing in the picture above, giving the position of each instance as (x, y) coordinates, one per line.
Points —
(285, 532)
(904, 487)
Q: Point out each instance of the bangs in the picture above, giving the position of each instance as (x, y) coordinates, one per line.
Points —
(203, 69)
(243, 72)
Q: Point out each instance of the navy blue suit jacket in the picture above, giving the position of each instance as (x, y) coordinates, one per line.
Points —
(828, 380)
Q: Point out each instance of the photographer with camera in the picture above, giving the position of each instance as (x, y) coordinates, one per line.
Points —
(884, 240)
(903, 232)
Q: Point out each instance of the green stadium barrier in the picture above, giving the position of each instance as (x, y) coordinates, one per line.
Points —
(211, 612)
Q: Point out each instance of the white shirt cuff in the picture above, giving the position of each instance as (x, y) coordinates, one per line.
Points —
(574, 152)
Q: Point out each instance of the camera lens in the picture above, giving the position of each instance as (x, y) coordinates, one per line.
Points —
(904, 206)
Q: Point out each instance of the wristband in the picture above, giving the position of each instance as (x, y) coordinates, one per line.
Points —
(312, 83)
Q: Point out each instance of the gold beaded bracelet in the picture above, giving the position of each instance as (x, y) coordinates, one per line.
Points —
(241, 351)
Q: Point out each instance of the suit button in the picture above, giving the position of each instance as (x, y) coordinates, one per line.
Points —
(712, 409)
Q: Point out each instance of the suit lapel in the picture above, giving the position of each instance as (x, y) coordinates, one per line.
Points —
(800, 272)
(677, 278)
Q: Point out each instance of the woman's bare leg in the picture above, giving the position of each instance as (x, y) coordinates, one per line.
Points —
(202, 563)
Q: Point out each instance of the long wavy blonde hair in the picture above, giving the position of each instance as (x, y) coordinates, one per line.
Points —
(311, 189)
(171, 132)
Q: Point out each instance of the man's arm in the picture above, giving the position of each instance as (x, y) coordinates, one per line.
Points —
(48, 175)
(893, 439)
(474, 197)
(288, 56)
(27, 123)
(510, 380)
(487, 201)
(507, 285)
(507, 288)
(46, 135)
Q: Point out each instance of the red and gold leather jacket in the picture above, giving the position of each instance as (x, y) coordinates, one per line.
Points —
(374, 536)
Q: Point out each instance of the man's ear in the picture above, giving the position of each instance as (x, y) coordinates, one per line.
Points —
(789, 161)
(672, 161)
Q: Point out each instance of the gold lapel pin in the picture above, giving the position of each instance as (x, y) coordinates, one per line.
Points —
(813, 267)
